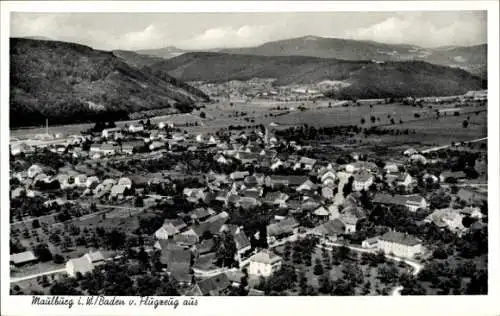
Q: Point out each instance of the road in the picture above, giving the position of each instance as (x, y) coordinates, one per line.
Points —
(450, 145)
(32, 276)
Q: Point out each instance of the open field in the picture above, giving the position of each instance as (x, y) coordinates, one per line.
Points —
(222, 115)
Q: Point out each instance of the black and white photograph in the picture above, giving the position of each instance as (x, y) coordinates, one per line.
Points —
(171, 156)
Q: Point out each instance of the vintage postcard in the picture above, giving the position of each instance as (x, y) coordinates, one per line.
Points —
(249, 158)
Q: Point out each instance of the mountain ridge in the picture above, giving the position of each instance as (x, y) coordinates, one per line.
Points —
(363, 79)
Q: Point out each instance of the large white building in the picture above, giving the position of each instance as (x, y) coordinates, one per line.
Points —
(264, 263)
(399, 244)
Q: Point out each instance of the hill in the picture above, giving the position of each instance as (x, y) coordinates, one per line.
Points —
(71, 83)
(362, 79)
(471, 58)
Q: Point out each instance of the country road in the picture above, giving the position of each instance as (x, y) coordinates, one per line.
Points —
(32, 276)
(450, 145)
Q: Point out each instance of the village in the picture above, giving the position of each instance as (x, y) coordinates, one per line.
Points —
(241, 212)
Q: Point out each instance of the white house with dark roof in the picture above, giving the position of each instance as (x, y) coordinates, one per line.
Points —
(264, 263)
(362, 180)
(84, 264)
(399, 244)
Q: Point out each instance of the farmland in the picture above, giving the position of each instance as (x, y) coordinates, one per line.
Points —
(430, 131)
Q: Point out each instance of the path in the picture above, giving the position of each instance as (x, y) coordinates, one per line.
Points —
(32, 276)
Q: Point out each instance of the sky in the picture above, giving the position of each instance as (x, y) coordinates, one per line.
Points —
(134, 31)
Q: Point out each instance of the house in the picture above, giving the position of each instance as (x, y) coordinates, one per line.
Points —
(474, 212)
(132, 147)
(305, 163)
(327, 191)
(447, 218)
(370, 243)
(162, 125)
(362, 180)
(321, 212)
(308, 185)
(216, 285)
(91, 181)
(404, 179)
(157, 145)
(178, 262)
(234, 276)
(281, 229)
(242, 244)
(110, 132)
(264, 263)
(221, 159)
(133, 128)
(169, 229)
(117, 191)
(417, 158)
(17, 149)
(22, 258)
(84, 264)
(186, 239)
(410, 151)
(329, 230)
(194, 194)
(290, 181)
(199, 214)
(17, 192)
(412, 202)
(392, 167)
(360, 165)
(212, 225)
(327, 176)
(104, 149)
(81, 180)
(349, 222)
(126, 182)
(37, 169)
(276, 164)
(239, 175)
(276, 198)
(399, 244)
(311, 203)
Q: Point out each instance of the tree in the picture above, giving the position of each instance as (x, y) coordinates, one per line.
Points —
(35, 224)
(318, 267)
(202, 115)
(465, 123)
(42, 252)
(225, 250)
(58, 259)
(363, 121)
(325, 283)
